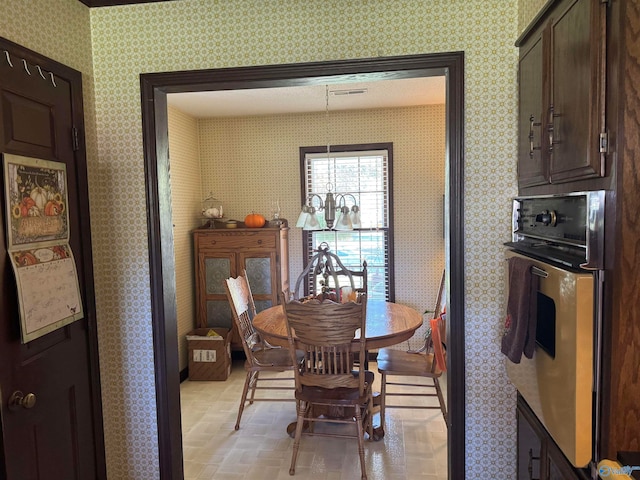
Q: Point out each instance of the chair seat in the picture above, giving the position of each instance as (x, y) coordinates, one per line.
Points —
(336, 396)
(275, 357)
(397, 362)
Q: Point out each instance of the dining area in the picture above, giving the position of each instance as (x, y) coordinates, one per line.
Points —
(326, 388)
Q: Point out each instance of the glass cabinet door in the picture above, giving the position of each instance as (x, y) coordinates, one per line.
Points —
(260, 274)
(216, 271)
(216, 268)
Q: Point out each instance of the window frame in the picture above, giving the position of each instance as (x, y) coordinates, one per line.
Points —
(352, 148)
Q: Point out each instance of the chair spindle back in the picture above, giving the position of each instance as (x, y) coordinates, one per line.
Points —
(324, 331)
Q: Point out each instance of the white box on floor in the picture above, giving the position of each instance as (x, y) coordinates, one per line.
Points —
(209, 356)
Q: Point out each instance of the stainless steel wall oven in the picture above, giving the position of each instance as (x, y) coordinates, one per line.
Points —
(563, 236)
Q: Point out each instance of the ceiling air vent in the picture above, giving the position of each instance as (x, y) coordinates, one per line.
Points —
(355, 91)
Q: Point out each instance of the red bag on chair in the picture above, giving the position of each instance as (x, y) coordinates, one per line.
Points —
(437, 327)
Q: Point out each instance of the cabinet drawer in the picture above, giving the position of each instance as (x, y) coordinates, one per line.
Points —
(248, 240)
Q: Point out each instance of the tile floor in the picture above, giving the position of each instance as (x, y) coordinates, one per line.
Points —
(414, 446)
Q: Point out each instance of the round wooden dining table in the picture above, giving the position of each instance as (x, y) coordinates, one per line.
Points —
(387, 324)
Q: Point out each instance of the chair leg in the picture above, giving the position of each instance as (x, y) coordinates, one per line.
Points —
(370, 420)
(383, 396)
(243, 400)
(367, 418)
(443, 405)
(360, 434)
(254, 383)
(302, 408)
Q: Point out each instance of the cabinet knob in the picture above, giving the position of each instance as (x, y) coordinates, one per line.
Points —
(259, 242)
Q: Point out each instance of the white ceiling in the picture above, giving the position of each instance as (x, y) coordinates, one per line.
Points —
(311, 98)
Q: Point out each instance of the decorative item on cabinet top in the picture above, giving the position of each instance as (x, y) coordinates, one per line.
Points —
(211, 210)
(255, 220)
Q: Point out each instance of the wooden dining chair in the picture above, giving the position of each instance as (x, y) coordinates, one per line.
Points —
(355, 279)
(325, 275)
(261, 356)
(324, 331)
(429, 361)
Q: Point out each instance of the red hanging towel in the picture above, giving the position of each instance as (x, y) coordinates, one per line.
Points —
(520, 324)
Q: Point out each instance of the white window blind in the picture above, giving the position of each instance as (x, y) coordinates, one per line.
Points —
(366, 175)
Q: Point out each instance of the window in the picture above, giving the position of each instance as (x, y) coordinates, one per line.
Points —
(365, 172)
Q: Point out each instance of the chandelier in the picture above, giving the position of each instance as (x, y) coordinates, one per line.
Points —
(337, 214)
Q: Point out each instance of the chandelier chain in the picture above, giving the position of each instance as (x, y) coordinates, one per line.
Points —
(329, 183)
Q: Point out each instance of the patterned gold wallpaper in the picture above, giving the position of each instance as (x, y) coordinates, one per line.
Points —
(113, 45)
(186, 197)
(249, 161)
(527, 10)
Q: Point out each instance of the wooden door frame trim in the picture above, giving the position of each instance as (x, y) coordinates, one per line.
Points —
(113, 3)
(154, 90)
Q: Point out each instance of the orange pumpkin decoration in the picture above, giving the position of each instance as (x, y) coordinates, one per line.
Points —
(254, 220)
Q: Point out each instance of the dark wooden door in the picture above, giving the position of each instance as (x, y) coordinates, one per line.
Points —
(558, 467)
(529, 446)
(532, 148)
(576, 115)
(61, 436)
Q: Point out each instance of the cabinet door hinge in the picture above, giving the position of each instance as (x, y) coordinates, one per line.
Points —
(604, 142)
(74, 139)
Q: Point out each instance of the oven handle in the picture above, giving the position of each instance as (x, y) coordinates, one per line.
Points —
(539, 272)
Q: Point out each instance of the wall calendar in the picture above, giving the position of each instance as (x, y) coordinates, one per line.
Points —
(38, 244)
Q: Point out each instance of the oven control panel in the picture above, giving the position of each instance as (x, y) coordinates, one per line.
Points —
(563, 220)
(566, 228)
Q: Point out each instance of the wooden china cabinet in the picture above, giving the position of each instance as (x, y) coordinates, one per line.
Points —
(588, 52)
(223, 253)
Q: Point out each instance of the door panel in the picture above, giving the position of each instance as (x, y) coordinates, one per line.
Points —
(28, 125)
(577, 93)
(532, 167)
(60, 437)
(529, 448)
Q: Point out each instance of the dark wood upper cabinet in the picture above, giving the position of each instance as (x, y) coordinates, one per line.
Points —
(562, 95)
(533, 167)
